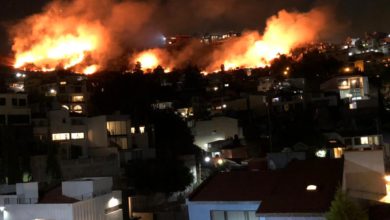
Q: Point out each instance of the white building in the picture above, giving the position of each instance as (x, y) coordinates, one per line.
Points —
(14, 109)
(218, 128)
(78, 199)
(93, 132)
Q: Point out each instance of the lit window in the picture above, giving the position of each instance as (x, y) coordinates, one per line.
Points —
(142, 129)
(117, 127)
(78, 109)
(311, 188)
(60, 136)
(75, 136)
(338, 152)
(63, 83)
(132, 130)
(364, 140)
(78, 98)
(352, 105)
(321, 153)
(65, 107)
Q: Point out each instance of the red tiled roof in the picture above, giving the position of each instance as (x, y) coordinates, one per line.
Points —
(236, 186)
(55, 196)
(281, 191)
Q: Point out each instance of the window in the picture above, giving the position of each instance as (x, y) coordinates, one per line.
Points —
(22, 102)
(2, 101)
(116, 127)
(77, 136)
(78, 98)
(364, 140)
(132, 130)
(78, 109)
(142, 129)
(60, 136)
(14, 102)
(311, 188)
(233, 215)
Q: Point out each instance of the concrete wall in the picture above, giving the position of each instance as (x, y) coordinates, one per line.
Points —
(27, 190)
(97, 131)
(95, 208)
(364, 174)
(91, 209)
(86, 187)
(202, 210)
(37, 211)
(218, 128)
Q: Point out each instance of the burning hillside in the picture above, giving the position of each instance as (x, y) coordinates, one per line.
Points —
(85, 36)
(283, 32)
(81, 35)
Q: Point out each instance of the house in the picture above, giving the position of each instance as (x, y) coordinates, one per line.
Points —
(14, 109)
(215, 129)
(78, 199)
(304, 189)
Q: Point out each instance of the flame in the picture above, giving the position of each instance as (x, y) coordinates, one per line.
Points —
(148, 60)
(284, 31)
(80, 35)
(64, 46)
(90, 69)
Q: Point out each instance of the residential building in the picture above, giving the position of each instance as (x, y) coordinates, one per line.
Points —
(217, 128)
(302, 190)
(14, 109)
(79, 199)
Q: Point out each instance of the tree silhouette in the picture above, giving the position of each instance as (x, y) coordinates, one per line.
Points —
(343, 208)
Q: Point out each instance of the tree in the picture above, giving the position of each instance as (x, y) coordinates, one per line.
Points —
(159, 175)
(343, 208)
(173, 137)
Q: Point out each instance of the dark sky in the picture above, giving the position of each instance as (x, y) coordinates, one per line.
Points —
(199, 16)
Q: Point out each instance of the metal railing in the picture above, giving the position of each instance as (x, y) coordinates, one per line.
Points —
(12, 200)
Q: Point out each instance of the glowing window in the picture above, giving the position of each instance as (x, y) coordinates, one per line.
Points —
(311, 188)
(78, 98)
(364, 140)
(78, 109)
(117, 127)
(65, 107)
(321, 153)
(60, 136)
(142, 129)
(132, 130)
(78, 135)
(63, 83)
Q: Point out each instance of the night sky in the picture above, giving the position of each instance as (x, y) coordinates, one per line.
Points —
(200, 16)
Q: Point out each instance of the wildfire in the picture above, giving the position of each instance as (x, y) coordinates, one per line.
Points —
(90, 69)
(150, 59)
(284, 31)
(61, 46)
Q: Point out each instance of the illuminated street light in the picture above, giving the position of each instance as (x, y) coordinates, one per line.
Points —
(347, 70)
(220, 161)
(207, 159)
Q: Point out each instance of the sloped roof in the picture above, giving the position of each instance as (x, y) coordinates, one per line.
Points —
(280, 191)
(290, 194)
